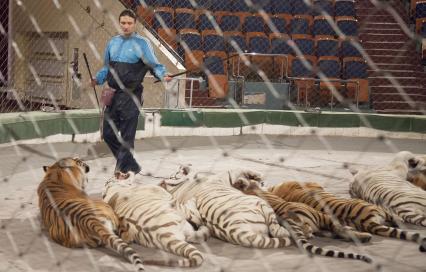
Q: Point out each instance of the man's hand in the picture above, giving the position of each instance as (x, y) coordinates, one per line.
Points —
(93, 82)
(167, 78)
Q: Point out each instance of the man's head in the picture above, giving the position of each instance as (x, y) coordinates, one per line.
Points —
(127, 20)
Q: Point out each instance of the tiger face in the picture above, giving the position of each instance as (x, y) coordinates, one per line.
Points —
(75, 168)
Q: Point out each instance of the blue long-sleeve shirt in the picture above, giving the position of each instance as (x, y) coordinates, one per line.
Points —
(128, 52)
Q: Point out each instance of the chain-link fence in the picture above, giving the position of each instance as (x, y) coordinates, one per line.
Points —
(335, 55)
(291, 54)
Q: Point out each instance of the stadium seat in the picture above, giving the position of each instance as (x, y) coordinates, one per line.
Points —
(301, 24)
(217, 77)
(344, 8)
(420, 10)
(159, 3)
(240, 9)
(258, 5)
(302, 77)
(321, 26)
(279, 23)
(181, 4)
(204, 4)
(300, 7)
(321, 6)
(163, 18)
(194, 57)
(413, 4)
(184, 19)
(347, 48)
(347, 25)
(258, 43)
(213, 43)
(330, 68)
(355, 69)
(305, 43)
(253, 24)
(230, 23)
(204, 23)
(235, 40)
(280, 46)
(326, 46)
(282, 9)
(221, 5)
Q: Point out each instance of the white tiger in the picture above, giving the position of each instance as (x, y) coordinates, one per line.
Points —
(417, 176)
(387, 186)
(229, 214)
(154, 220)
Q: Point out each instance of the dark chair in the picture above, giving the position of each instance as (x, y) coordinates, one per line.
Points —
(280, 46)
(347, 25)
(300, 7)
(323, 6)
(253, 24)
(279, 23)
(326, 46)
(184, 19)
(193, 42)
(213, 44)
(321, 26)
(258, 43)
(302, 77)
(420, 10)
(300, 24)
(265, 5)
(348, 49)
(345, 8)
(220, 5)
(329, 72)
(217, 76)
(181, 4)
(355, 69)
(163, 18)
(230, 23)
(204, 23)
(305, 43)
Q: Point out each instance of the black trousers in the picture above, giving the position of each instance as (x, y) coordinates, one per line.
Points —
(119, 128)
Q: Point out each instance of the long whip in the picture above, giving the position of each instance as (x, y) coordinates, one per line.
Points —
(90, 74)
(198, 68)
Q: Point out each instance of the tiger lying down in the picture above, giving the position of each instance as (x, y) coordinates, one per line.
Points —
(238, 218)
(356, 213)
(299, 215)
(154, 220)
(230, 215)
(74, 220)
(387, 186)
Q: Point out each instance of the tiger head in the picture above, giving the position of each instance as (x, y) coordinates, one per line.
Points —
(69, 171)
(244, 180)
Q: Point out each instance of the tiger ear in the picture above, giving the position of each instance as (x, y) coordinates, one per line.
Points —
(412, 163)
(45, 168)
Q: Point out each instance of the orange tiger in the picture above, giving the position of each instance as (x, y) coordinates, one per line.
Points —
(357, 213)
(74, 220)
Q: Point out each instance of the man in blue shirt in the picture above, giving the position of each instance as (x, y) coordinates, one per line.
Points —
(128, 57)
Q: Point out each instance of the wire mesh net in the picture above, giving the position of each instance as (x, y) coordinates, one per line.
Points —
(347, 56)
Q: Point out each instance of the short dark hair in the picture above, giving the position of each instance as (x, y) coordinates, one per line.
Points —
(127, 12)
